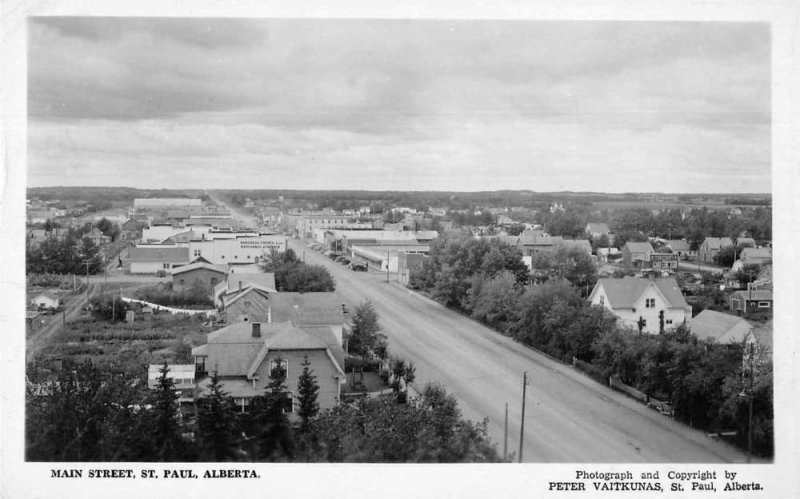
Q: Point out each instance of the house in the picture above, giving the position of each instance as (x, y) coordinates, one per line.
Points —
(532, 242)
(755, 256)
(244, 354)
(152, 260)
(310, 311)
(664, 261)
(97, 237)
(751, 300)
(46, 299)
(236, 282)
(745, 242)
(637, 255)
(711, 246)
(680, 247)
(642, 299)
(606, 254)
(597, 230)
(722, 328)
(182, 376)
(208, 275)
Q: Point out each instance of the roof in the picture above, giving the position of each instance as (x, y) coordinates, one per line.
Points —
(717, 242)
(154, 370)
(199, 265)
(537, 238)
(597, 227)
(754, 294)
(678, 245)
(723, 328)
(324, 307)
(755, 253)
(174, 255)
(234, 351)
(48, 294)
(635, 247)
(264, 280)
(623, 293)
(746, 241)
(184, 237)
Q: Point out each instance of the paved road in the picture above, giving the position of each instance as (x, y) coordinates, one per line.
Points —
(698, 266)
(569, 418)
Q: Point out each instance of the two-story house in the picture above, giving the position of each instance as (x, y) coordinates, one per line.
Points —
(637, 255)
(243, 355)
(635, 299)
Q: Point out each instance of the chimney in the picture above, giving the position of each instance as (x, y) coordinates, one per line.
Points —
(240, 284)
(256, 330)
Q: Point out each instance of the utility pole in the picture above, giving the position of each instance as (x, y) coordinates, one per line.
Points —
(87, 279)
(522, 422)
(750, 408)
(387, 266)
(505, 436)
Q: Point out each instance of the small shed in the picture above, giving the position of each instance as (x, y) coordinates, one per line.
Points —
(46, 299)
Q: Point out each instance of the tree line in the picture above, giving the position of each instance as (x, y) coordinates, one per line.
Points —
(85, 416)
(294, 275)
(701, 380)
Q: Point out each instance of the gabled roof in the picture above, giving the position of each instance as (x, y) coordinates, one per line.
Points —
(753, 294)
(234, 351)
(49, 295)
(199, 265)
(307, 308)
(635, 247)
(755, 253)
(173, 255)
(264, 280)
(724, 328)
(623, 293)
(746, 241)
(717, 242)
(597, 227)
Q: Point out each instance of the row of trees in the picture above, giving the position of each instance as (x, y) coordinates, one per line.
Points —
(83, 417)
(701, 380)
(292, 274)
(70, 255)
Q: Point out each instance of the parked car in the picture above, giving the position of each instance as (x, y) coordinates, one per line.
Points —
(344, 261)
(358, 267)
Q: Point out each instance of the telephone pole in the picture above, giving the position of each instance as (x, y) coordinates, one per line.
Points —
(505, 436)
(522, 422)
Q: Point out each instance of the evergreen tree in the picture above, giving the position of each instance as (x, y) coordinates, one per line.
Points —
(276, 442)
(216, 423)
(166, 429)
(308, 390)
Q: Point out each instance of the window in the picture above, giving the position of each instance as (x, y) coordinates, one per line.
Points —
(650, 303)
(183, 282)
(166, 265)
(223, 257)
(669, 321)
(763, 304)
(602, 300)
(274, 366)
(196, 252)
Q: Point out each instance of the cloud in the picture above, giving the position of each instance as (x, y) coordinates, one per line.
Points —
(411, 103)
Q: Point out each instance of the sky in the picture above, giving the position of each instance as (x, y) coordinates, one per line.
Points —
(454, 105)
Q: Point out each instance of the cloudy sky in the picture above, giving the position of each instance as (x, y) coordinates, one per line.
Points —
(393, 104)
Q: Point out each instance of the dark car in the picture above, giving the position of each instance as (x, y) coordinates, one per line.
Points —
(358, 267)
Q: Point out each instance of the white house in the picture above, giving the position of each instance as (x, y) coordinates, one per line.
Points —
(46, 299)
(633, 299)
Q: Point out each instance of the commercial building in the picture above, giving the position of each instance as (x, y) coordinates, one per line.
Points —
(152, 260)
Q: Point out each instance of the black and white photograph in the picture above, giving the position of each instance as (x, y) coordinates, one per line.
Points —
(559, 249)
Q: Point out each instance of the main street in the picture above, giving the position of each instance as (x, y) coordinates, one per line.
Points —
(569, 417)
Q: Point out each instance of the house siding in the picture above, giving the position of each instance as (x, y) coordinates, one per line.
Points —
(324, 370)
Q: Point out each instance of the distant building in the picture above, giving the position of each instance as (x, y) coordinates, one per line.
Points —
(664, 261)
(46, 299)
(153, 259)
(531, 242)
(580, 244)
(97, 237)
(680, 247)
(408, 263)
(751, 300)
(207, 275)
(637, 255)
(144, 203)
(634, 299)
(597, 230)
(711, 246)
